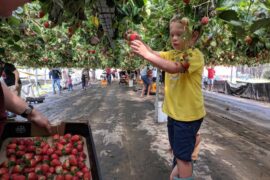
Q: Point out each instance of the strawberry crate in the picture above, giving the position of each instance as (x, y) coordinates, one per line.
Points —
(14, 131)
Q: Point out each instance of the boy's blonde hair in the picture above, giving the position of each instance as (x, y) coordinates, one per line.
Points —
(178, 18)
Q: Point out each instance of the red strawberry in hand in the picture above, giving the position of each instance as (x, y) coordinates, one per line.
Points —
(133, 36)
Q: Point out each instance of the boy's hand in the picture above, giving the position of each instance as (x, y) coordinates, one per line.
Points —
(140, 48)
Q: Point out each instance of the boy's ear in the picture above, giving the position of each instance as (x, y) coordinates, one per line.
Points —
(195, 35)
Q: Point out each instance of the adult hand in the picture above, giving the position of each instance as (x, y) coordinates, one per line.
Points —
(140, 48)
(17, 86)
(40, 120)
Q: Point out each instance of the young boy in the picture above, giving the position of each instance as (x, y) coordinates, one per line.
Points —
(183, 102)
(69, 82)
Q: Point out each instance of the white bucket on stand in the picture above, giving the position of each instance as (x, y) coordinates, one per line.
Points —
(130, 83)
(162, 117)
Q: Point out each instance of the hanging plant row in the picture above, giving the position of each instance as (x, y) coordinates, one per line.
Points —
(70, 34)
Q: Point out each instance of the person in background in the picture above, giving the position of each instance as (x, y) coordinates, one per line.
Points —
(11, 102)
(65, 78)
(55, 75)
(146, 76)
(11, 77)
(108, 75)
(211, 77)
(69, 82)
(114, 74)
(183, 101)
(83, 78)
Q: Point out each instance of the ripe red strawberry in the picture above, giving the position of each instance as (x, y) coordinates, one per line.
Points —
(204, 20)
(74, 151)
(59, 177)
(63, 141)
(41, 14)
(14, 141)
(38, 158)
(21, 141)
(50, 151)
(80, 148)
(56, 137)
(69, 145)
(17, 169)
(3, 171)
(68, 177)
(52, 170)
(44, 144)
(66, 164)
(12, 160)
(133, 36)
(87, 176)
(73, 161)
(32, 163)
(10, 152)
(82, 154)
(67, 150)
(75, 138)
(186, 1)
(59, 146)
(54, 156)
(58, 152)
(45, 158)
(11, 146)
(38, 169)
(20, 153)
(4, 164)
(21, 147)
(45, 168)
(46, 24)
(85, 170)
(28, 156)
(79, 174)
(5, 176)
(81, 165)
(29, 142)
(67, 136)
(30, 148)
(32, 176)
(74, 169)
(80, 159)
(18, 177)
(55, 162)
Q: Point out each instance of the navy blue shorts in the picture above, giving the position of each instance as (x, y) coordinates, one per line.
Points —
(182, 137)
(146, 80)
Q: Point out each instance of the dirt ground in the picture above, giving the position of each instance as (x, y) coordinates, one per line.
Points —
(131, 146)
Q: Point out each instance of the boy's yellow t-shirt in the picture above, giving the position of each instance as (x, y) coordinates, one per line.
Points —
(183, 91)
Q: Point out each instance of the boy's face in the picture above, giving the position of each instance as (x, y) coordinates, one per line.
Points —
(177, 35)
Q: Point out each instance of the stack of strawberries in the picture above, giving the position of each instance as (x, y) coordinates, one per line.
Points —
(56, 158)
